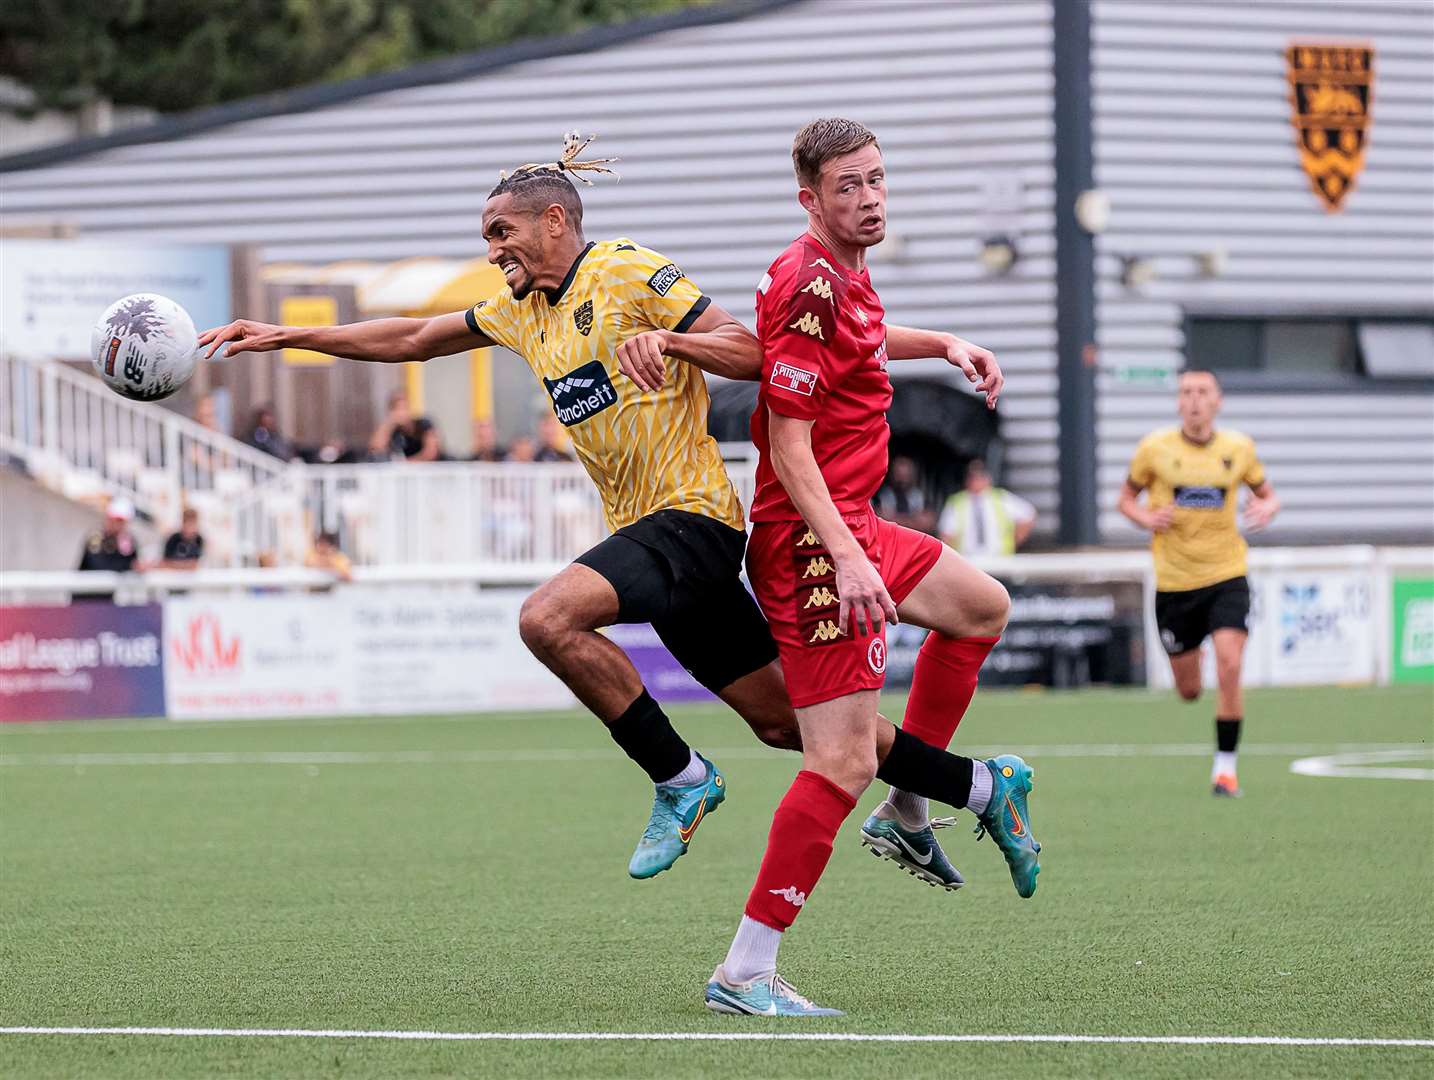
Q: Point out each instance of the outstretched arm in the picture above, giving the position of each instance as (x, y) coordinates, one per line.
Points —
(715, 342)
(905, 343)
(387, 341)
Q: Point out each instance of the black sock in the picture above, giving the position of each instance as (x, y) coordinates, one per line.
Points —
(646, 735)
(922, 769)
(1227, 733)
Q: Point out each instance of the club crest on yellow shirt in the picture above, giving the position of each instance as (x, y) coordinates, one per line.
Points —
(1331, 89)
(583, 318)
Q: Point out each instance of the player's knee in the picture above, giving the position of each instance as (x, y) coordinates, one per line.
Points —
(1188, 692)
(540, 624)
(998, 609)
(987, 610)
(862, 769)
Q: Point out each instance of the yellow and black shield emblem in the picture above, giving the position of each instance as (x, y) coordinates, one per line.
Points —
(1331, 87)
(583, 318)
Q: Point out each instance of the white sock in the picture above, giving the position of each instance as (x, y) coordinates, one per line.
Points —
(912, 810)
(753, 954)
(1224, 764)
(981, 783)
(696, 770)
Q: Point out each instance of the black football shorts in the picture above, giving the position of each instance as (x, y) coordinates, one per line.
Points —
(681, 573)
(1187, 618)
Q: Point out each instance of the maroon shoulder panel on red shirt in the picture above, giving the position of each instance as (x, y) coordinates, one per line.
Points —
(824, 360)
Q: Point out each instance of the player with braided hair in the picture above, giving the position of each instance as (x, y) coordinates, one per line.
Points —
(600, 324)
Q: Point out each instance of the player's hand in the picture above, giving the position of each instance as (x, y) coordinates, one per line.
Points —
(243, 335)
(979, 365)
(1259, 513)
(641, 359)
(1162, 519)
(865, 603)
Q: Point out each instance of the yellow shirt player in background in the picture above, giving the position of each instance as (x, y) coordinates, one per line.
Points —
(1192, 476)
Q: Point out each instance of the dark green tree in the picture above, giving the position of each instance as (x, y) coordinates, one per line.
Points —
(183, 54)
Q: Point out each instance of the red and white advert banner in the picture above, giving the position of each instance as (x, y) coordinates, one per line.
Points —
(351, 654)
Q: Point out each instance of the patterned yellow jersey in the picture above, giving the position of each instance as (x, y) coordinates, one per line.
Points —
(645, 451)
(1203, 545)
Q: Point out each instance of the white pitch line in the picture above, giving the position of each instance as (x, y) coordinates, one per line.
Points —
(1362, 765)
(734, 753)
(713, 1036)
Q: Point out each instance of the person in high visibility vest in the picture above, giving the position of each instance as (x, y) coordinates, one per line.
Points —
(982, 519)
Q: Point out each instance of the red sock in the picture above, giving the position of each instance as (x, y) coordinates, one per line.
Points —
(942, 686)
(798, 847)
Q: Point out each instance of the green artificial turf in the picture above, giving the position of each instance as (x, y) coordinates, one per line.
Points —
(483, 888)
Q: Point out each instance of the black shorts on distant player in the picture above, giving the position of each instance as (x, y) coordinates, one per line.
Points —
(1187, 618)
(681, 572)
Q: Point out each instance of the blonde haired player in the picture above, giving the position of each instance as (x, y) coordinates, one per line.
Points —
(1192, 475)
(598, 323)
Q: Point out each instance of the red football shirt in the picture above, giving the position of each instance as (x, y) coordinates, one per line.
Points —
(824, 360)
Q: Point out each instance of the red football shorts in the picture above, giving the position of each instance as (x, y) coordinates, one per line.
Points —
(795, 581)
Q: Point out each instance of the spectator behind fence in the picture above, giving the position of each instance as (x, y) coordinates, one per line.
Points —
(485, 442)
(204, 460)
(405, 437)
(264, 435)
(902, 500)
(553, 441)
(184, 549)
(523, 448)
(112, 547)
(984, 519)
(327, 556)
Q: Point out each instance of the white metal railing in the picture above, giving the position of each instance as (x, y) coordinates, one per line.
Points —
(445, 513)
(80, 438)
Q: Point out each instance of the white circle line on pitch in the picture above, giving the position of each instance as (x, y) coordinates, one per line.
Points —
(1367, 765)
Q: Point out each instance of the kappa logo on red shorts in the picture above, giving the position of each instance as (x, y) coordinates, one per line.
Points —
(798, 380)
(876, 656)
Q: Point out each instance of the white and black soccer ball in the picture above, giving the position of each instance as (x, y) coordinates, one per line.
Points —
(144, 347)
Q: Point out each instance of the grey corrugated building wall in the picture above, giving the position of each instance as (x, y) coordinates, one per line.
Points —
(1193, 143)
(703, 118)
(1195, 146)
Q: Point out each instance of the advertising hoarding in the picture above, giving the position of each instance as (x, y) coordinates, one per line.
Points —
(388, 652)
(83, 661)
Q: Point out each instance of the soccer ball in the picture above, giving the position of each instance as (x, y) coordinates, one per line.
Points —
(144, 347)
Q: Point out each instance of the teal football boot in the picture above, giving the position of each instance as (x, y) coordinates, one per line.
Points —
(676, 813)
(772, 996)
(1009, 821)
(914, 850)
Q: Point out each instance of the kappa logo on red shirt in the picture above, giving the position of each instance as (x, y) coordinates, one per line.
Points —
(809, 323)
(798, 380)
(819, 287)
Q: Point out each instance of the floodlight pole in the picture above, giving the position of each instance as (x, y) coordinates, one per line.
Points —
(1075, 276)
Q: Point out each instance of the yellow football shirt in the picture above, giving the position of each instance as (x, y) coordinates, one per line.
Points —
(1203, 545)
(644, 451)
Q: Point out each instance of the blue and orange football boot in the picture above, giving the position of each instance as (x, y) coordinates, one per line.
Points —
(676, 813)
(1008, 820)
